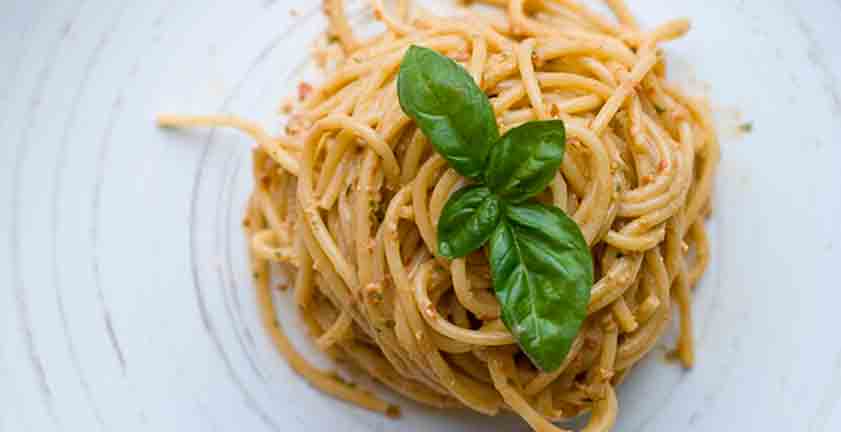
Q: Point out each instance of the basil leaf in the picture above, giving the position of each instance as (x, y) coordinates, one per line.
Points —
(542, 273)
(450, 109)
(525, 159)
(468, 219)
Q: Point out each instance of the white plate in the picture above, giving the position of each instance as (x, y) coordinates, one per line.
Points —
(126, 300)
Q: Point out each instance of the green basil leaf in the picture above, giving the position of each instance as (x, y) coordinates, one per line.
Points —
(450, 109)
(542, 273)
(468, 219)
(526, 159)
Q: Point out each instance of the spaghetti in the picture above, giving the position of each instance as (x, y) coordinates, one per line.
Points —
(346, 202)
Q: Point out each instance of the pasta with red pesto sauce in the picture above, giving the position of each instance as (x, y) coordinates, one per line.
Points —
(347, 199)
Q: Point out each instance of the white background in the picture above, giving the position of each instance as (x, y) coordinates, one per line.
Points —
(125, 299)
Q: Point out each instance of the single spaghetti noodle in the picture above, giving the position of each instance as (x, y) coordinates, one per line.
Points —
(346, 203)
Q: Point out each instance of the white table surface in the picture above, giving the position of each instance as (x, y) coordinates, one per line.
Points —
(125, 300)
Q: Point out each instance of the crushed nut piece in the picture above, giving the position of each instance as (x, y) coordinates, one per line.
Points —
(304, 90)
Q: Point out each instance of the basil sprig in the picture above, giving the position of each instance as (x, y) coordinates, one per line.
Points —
(541, 266)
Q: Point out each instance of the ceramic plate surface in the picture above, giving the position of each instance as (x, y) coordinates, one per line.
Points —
(125, 297)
